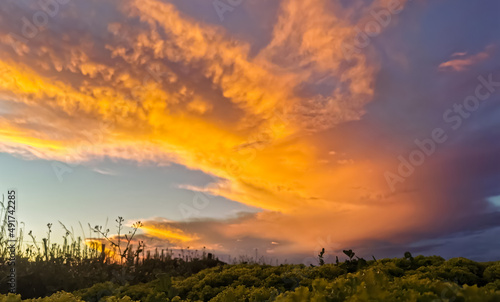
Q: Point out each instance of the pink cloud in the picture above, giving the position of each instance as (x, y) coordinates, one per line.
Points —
(462, 61)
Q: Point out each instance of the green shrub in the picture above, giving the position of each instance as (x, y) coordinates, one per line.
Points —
(98, 291)
(492, 273)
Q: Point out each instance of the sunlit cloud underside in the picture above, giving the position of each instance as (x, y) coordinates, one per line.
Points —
(144, 81)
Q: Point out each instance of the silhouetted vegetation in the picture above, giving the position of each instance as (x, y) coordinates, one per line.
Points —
(399, 279)
(85, 270)
(44, 268)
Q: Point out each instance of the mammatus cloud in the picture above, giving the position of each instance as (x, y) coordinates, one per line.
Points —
(110, 83)
(148, 83)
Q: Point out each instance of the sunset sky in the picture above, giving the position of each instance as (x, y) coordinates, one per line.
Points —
(284, 126)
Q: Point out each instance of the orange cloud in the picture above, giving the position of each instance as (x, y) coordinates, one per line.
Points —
(172, 235)
(175, 89)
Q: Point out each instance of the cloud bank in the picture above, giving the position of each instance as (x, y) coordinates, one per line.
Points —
(143, 80)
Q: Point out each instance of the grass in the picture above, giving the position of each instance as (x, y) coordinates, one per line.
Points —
(44, 267)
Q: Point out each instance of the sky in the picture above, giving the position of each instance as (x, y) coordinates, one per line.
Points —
(268, 128)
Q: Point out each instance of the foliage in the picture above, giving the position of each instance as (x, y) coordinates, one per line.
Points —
(399, 279)
(44, 268)
(76, 272)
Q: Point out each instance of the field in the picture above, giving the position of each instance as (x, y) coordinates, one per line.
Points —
(66, 276)
(85, 270)
(406, 279)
